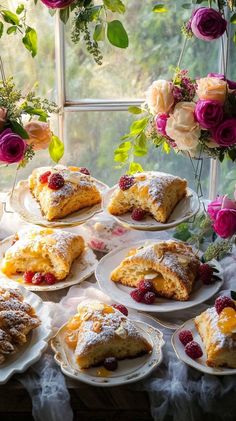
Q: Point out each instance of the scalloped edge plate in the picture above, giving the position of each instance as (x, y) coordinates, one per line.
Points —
(37, 342)
(121, 293)
(129, 370)
(200, 363)
(82, 268)
(23, 203)
(184, 210)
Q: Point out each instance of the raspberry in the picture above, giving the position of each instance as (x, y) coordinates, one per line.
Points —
(44, 177)
(28, 276)
(145, 286)
(149, 297)
(137, 295)
(206, 273)
(56, 181)
(110, 363)
(185, 336)
(193, 350)
(138, 214)
(50, 279)
(38, 278)
(126, 182)
(223, 302)
(121, 308)
(84, 170)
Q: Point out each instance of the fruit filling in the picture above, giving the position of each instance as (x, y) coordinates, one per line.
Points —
(227, 320)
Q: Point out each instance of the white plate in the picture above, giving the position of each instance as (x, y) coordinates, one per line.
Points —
(200, 363)
(28, 208)
(128, 371)
(81, 269)
(30, 352)
(121, 293)
(184, 210)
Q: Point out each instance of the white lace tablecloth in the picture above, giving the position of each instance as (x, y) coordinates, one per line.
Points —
(174, 388)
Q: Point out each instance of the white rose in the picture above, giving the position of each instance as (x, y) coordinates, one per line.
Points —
(182, 127)
(159, 97)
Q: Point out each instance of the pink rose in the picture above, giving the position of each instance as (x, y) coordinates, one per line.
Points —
(225, 223)
(207, 23)
(225, 133)
(57, 4)
(214, 207)
(208, 113)
(161, 120)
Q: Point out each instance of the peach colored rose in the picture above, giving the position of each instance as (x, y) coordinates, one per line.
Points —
(39, 134)
(182, 127)
(3, 116)
(159, 97)
(212, 88)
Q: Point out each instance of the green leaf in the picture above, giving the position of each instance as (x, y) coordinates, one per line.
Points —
(233, 295)
(36, 111)
(56, 149)
(30, 40)
(120, 156)
(52, 12)
(20, 9)
(117, 34)
(138, 126)
(11, 30)
(234, 38)
(123, 147)
(233, 18)
(10, 17)
(166, 147)
(65, 14)
(135, 167)
(135, 110)
(94, 13)
(19, 129)
(182, 232)
(160, 8)
(115, 5)
(99, 32)
(1, 29)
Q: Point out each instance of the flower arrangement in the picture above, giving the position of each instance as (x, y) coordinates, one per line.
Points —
(196, 117)
(24, 126)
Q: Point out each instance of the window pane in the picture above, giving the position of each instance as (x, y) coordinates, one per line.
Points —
(93, 136)
(155, 44)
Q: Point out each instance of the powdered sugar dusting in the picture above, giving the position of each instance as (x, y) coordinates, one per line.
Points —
(219, 338)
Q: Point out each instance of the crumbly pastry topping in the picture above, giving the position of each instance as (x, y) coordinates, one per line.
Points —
(222, 339)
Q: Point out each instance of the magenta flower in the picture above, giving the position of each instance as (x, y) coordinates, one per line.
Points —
(161, 120)
(231, 83)
(225, 223)
(207, 24)
(214, 207)
(225, 133)
(209, 113)
(12, 147)
(57, 4)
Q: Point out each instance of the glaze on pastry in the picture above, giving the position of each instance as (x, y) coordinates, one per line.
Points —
(171, 266)
(99, 331)
(154, 192)
(79, 191)
(43, 250)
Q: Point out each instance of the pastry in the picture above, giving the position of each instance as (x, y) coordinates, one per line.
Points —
(17, 319)
(220, 347)
(62, 190)
(154, 192)
(171, 266)
(99, 331)
(42, 250)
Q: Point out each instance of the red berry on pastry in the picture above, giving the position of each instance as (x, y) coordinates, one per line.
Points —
(121, 308)
(84, 170)
(145, 286)
(193, 350)
(110, 363)
(56, 181)
(138, 214)
(149, 297)
(137, 295)
(185, 336)
(126, 181)
(28, 276)
(44, 177)
(206, 273)
(223, 302)
(50, 279)
(38, 278)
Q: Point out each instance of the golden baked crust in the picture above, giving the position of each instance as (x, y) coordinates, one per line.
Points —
(220, 348)
(17, 319)
(43, 250)
(171, 266)
(78, 192)
(155, 192)
(99, 331)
